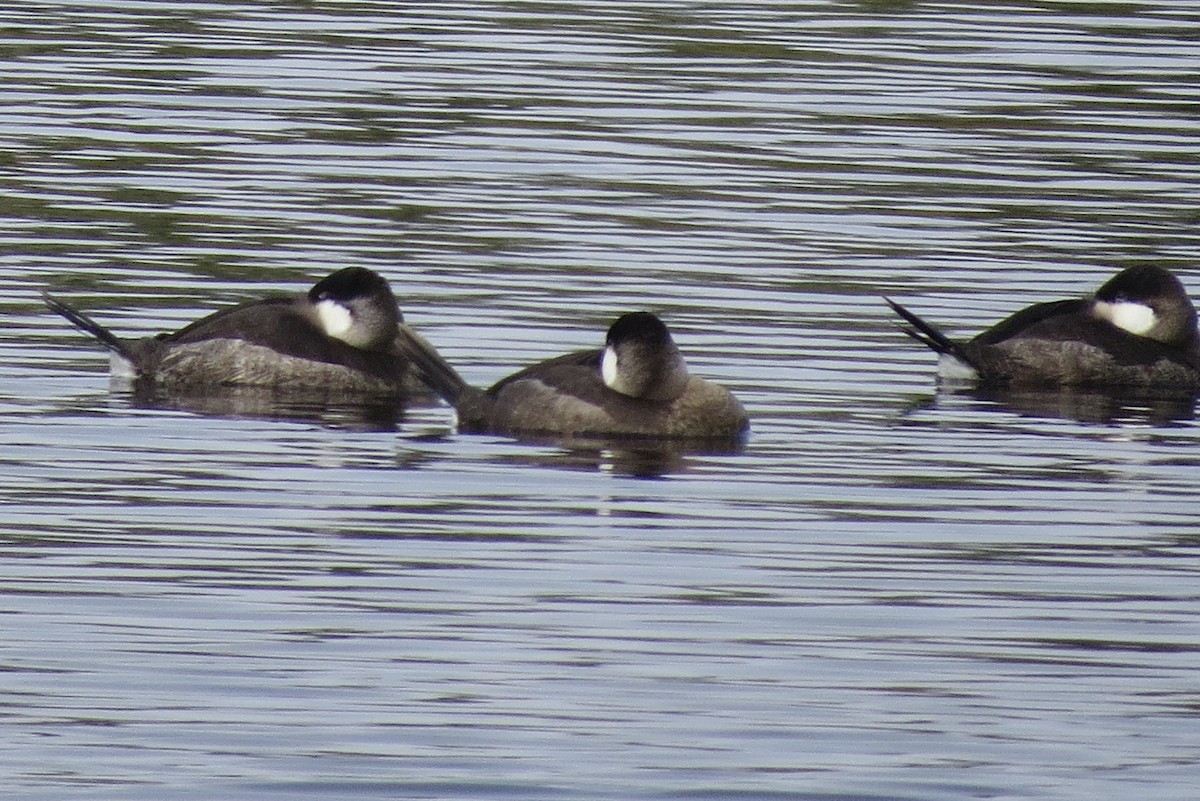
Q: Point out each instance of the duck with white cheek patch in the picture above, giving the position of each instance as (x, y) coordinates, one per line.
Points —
(339, 336)
(1138, 331)
(637, 385)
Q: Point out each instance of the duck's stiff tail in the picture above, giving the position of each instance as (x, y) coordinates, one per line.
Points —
(433, 369)
(928, 335)
(89, 326)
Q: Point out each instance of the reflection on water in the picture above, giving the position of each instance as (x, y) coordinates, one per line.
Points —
(644, 457)
(334, 409)
(980, 597)
(1094, 407)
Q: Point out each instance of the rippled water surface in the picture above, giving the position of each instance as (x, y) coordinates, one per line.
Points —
(887, 595)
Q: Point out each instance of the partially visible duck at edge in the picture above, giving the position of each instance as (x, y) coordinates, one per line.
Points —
(637, 385)
(340, 336)
(1138, 332)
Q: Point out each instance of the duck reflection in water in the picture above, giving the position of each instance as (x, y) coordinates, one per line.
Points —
(1130, 348)
(336, 410)
(632, 457)
(1113, 406)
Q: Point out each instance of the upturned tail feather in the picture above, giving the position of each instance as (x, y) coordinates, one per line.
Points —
(928, 335)
(433, 369)
(89, 326)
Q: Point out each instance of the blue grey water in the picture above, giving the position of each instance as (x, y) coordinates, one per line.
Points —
(889, 594)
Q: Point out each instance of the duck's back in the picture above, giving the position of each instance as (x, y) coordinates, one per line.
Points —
(265, 343)
(1062, 344)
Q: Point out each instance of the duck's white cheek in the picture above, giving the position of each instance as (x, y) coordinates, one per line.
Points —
(335, 318)
(1136, 318)
(608, 368)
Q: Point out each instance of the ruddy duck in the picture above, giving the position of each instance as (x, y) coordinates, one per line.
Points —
(636, 386)
(1138, 331)
(339, 336)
